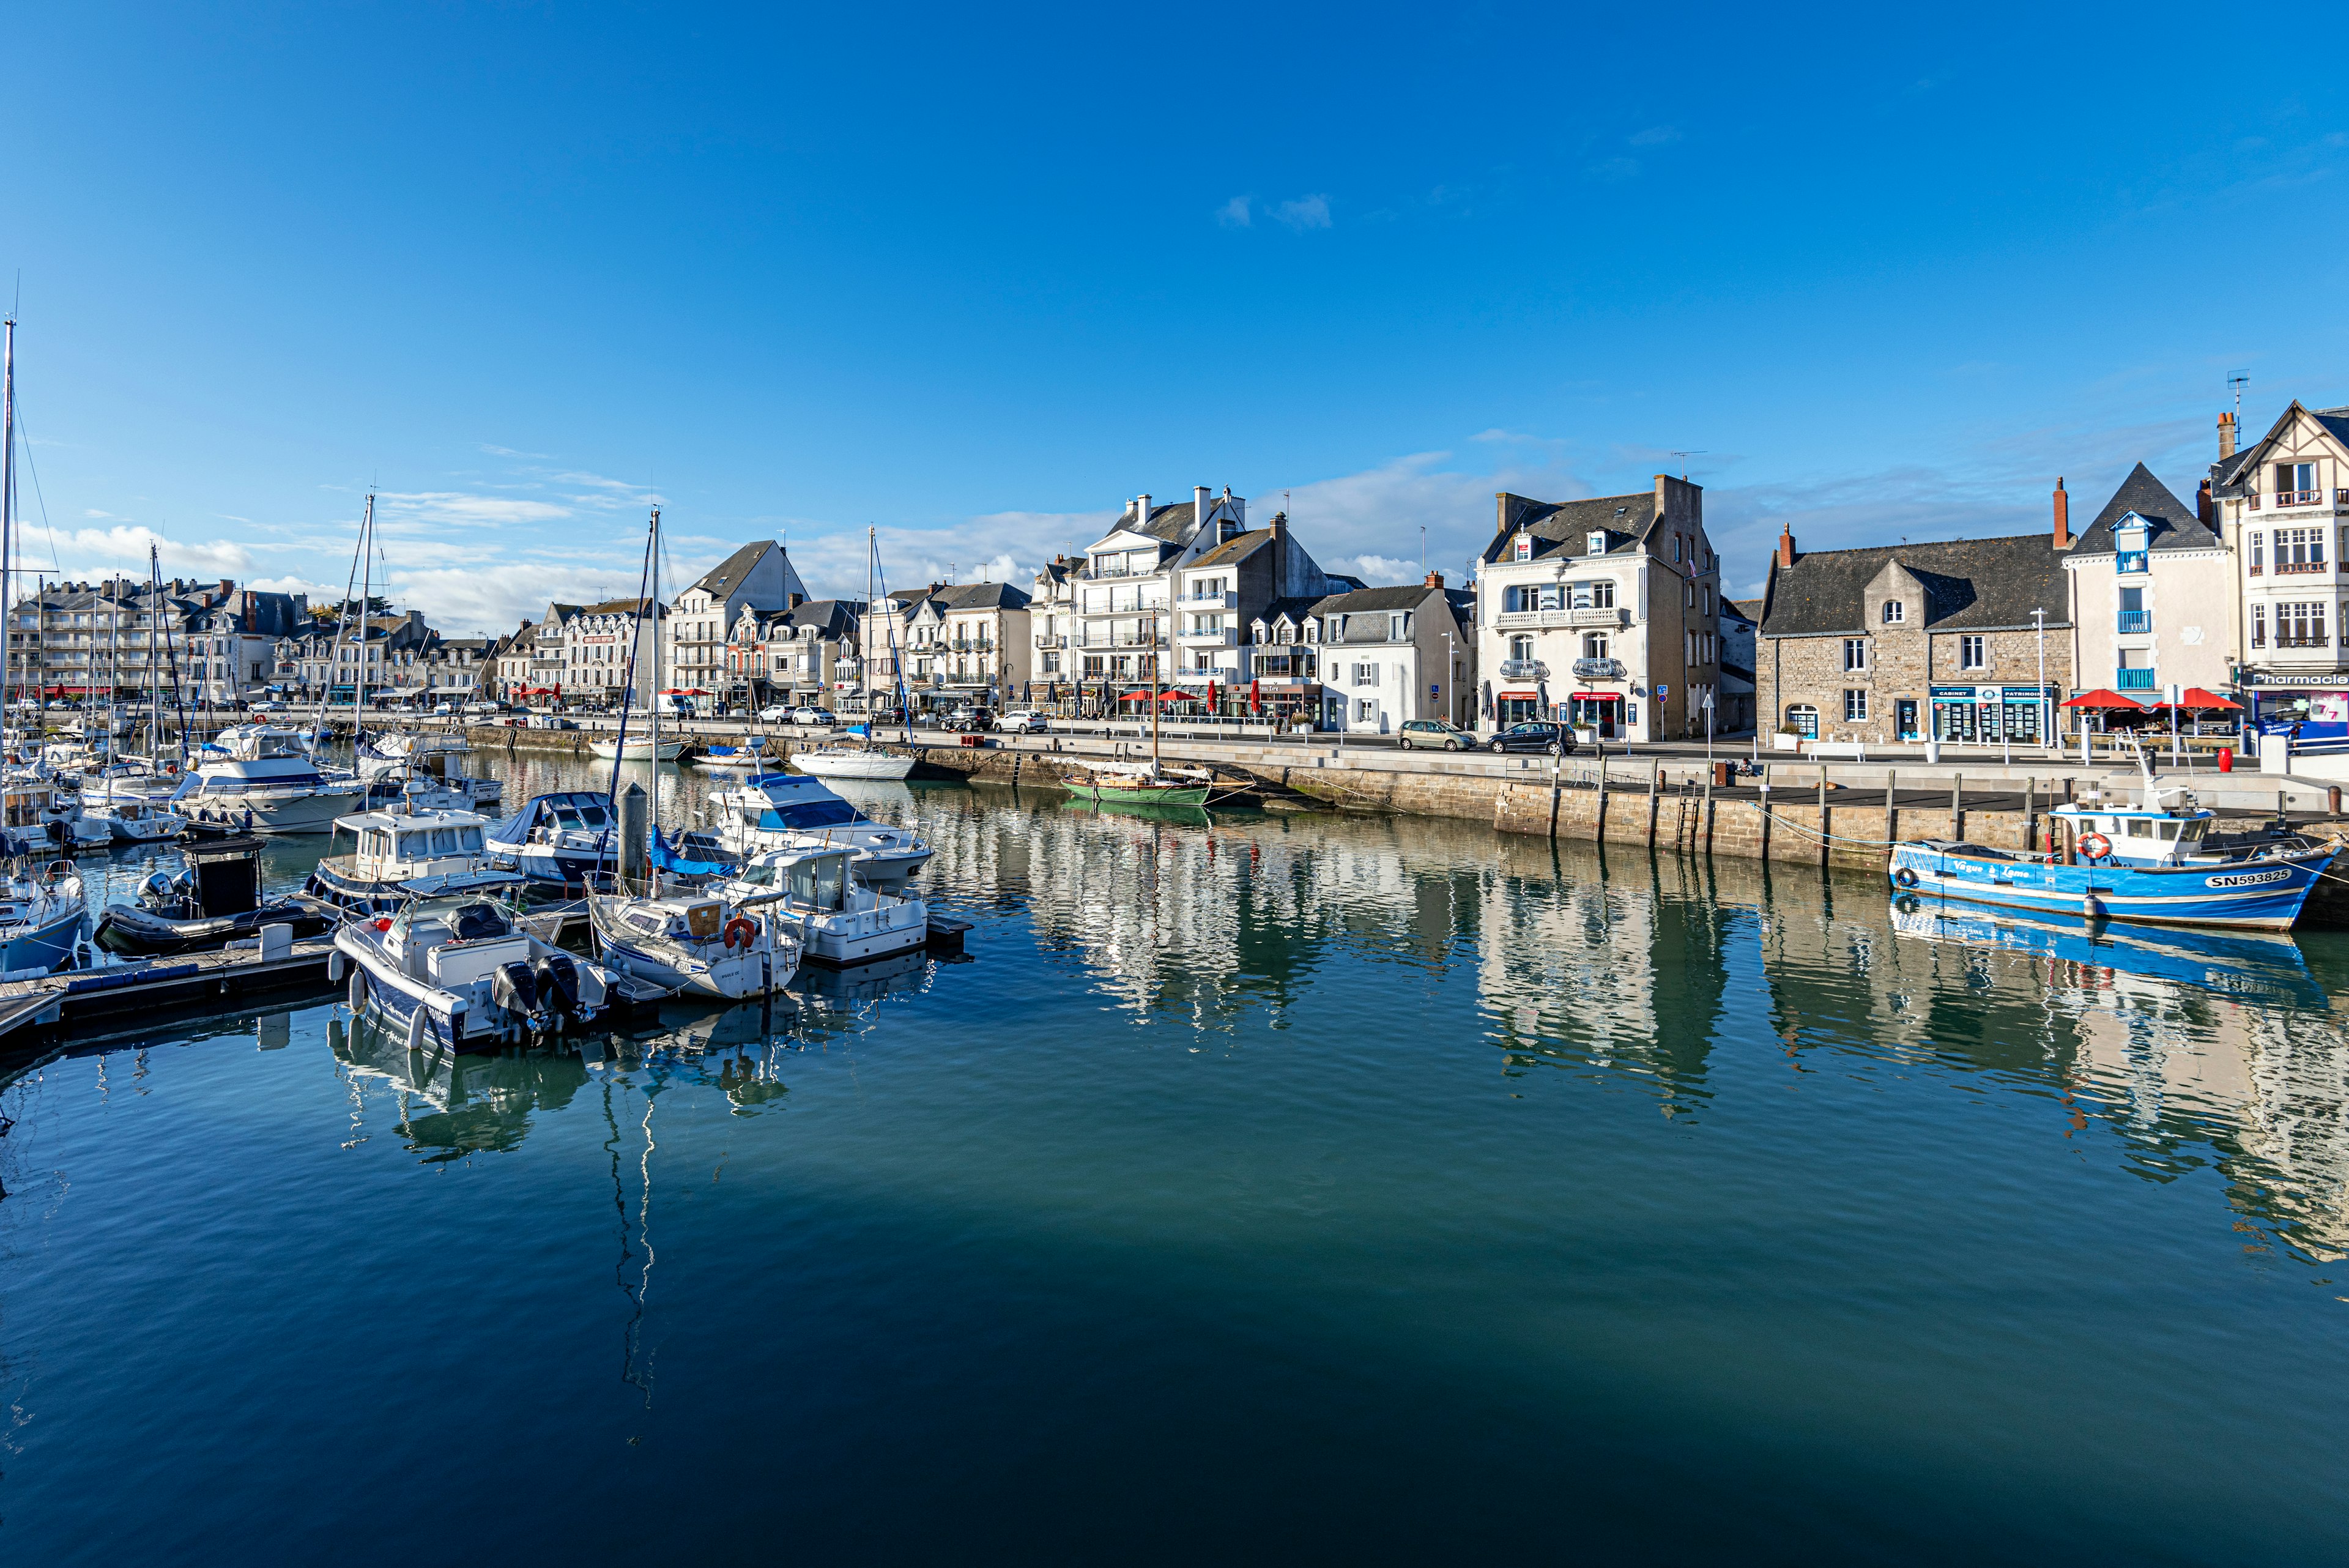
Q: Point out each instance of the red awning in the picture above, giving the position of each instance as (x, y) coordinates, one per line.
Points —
(2196, 697)
(1598, 696)
(2104, 697)
(1517, 696)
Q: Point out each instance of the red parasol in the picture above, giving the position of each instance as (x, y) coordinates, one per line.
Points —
(2196, 697)
(1256, 696)
(2104, 697)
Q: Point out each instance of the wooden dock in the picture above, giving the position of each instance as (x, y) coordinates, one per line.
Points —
(100, 1000)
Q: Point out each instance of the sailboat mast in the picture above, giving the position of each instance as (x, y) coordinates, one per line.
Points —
(652, 607)
(154, 671)
(863, 624)
(7, 522)
(366, 590)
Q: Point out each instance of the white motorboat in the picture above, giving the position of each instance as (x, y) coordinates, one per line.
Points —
(750, 759)
(638, 748)
(129, 820)
(848, 763)
(697, 942)
(562, 839)
(840, 919)
(40, 806)
(420, 768)
(400, 856)
(791, 811)
(41, 913)
(462, 974)
(268, 783)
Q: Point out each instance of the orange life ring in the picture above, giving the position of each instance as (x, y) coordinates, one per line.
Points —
(2095, 845)
(744, 924)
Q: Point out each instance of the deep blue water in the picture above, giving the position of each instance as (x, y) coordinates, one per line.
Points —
(1329, 1188)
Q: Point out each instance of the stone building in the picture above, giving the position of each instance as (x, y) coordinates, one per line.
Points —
(2153, 593)
(1959, 639)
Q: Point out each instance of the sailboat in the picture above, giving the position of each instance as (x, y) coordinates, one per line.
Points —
(703, 943)
(859, 761)
(41, 912)
(1128, 781)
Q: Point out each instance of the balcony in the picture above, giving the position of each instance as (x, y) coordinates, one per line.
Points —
(2287, 568)
(2130, 561)
(2318, 640)
(1216, 637)
(1534, 619)
(2135, 620)
(2299, 498)
(2133, 680)
(1051, 640)
(1597, 669)
(1230, 601)
(1525, 669)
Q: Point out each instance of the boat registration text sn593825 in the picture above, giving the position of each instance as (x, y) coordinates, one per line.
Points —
(2247, 878)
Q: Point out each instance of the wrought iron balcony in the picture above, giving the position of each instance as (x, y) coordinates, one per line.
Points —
(1211, 637)
(1598, 669)
(1524, 670)
(2137, 620)
(1051, 640)
(1210, 601)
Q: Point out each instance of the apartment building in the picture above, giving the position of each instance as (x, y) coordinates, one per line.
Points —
(806, 656)
(591, 662)
(1053, 623)
(1222, 603)
(2282, 507)
(1123, 597)
(2152, 591)
(1389, 655)
(1602, 613)
(213, 640)
(968, 642)
(700, 619)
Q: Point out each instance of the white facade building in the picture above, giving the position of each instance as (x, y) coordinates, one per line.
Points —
(2282, 507)
(1389, 655)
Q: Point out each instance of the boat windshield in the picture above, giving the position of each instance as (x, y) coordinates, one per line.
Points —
(820, 882)
(803, 815)
(579, 816)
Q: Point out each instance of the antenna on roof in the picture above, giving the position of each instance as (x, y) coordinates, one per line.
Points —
(1684, 456)
(2236, 381)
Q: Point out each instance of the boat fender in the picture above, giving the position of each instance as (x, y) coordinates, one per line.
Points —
(2095, 845)
(358, 993)
(383, 923)
(335, 967)
(415, 1030)
(1905, 878)
(2092, 908)
(747, 929)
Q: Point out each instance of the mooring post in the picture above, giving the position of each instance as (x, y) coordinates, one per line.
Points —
(636, 821)
(1891, 812)
(1599, 817)
(1957, 807)
(1823, 814)
(2031, 816)
(1705, 812)
(1655, 778)
(1763, 782)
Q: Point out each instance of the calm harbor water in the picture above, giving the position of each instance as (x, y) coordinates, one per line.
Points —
(1287, 1187)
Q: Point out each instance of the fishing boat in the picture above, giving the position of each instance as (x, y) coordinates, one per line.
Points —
(2265, 967)
(41, 911)
(268, 783)
(2156, 860)
(840, 919)
(791, 811)
(398, 856)
(41, 807)
(1126, 784)
(215, 900)
(461, 973)
(561, 840)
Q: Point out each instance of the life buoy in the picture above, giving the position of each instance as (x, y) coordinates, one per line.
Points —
(748, 929)
(1905, 878)
(2095, 845)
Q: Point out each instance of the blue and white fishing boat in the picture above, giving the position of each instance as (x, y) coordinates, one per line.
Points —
(2156, 861)
(561, 840)
(463, 975)
(2261, 967)
(2322, 731)
(400, 855)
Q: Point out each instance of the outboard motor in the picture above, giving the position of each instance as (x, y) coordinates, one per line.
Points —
(515, 990)
(558, 983)
(160, 894)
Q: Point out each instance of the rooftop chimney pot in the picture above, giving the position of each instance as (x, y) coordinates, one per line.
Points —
(2226, 436)
(2063, 517)
(1786, 547)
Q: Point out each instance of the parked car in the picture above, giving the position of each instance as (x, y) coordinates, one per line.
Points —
(444, 710)
(484, 710)
(969, 718)
(551, 722)
(1534, 735)
(1436, 735)
(1022, 722)
(815, 716)
(267, 705)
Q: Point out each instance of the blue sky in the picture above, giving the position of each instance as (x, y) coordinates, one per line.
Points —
(974, 276)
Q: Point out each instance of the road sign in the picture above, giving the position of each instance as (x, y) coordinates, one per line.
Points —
(1662, 690)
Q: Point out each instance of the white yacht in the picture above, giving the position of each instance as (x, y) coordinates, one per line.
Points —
(39, 804)
(398, 856)
(419, 768)
(698, 942)
(267, 782)
(839, 919)
(130, 820)
(792, 811)
(638, 748)
(850, 762)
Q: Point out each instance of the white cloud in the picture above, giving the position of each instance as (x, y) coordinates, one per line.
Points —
(1303, 212)
(291, 584)
(458, 506)
(493, 597)
(1656, 136)
(1379, 571)
(1235, 214)
(81, 551)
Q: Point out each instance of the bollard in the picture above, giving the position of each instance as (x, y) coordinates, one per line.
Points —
(1957, 807)
(636, 824)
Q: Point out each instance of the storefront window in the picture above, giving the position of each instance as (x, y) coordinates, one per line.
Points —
(1804, 720)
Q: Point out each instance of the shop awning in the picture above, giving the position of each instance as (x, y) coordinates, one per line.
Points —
(2194, 697)
(2104, 697)
(1517, 696)
(1598, 696)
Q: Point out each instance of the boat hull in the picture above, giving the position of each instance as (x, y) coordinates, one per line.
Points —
(1142, 795)
(126, 929)
(309, 812)
(830, 765)
(45, 948)
(2263, 894)
(638, 751)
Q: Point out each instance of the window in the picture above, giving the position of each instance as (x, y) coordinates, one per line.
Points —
(1594, 542)
(2259, 547)
(1676, 548)
(2300, 549)
(2301, 625)
(1365, 711)
(1597, 594)
(1524, 549)
(1974, 652)
(1895, 612)
(1521, 649)
(1855, 707)
(1804, 720)
(1687, 595)
(1398, 628)
(1854, 653)
(1595, 645)
(2295, 485)
(1366, 675)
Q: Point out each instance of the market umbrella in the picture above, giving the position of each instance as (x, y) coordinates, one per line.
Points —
(2103, 696)
(2194, 697)
(1256, 696)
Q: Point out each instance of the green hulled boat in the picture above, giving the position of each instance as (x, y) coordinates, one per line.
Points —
(1137, 786)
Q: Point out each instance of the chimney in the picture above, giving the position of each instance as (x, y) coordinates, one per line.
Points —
(2205, 511)
(1199, 504)
(1141, 510)
(2063, 517)
(2225, 437)
(1280, 525)
(1786, 547)
(1435, 579)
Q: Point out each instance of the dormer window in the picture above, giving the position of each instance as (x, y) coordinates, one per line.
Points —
(1895, 612)
(1524, 548)
(1596, 544)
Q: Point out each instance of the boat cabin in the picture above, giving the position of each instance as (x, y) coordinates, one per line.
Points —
(223, 877)
(2137, 836)
(695, 922)
(395, 847)
(452, 942)
(816, 881)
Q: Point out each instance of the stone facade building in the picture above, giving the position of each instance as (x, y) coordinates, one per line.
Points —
(1962, 640)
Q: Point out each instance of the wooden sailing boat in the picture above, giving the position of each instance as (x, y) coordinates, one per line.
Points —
(1126, 782)
(861, 762)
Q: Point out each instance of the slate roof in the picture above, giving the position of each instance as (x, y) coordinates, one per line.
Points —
(1750, 608)
(2174, 525)
(1970, 585)
(2229, 473)
(835, 618)
(1364, 601)
(629, 606)
(1569, 524)
(1238, 548)
(1295, 608)
(979, 595)
(728, 574)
